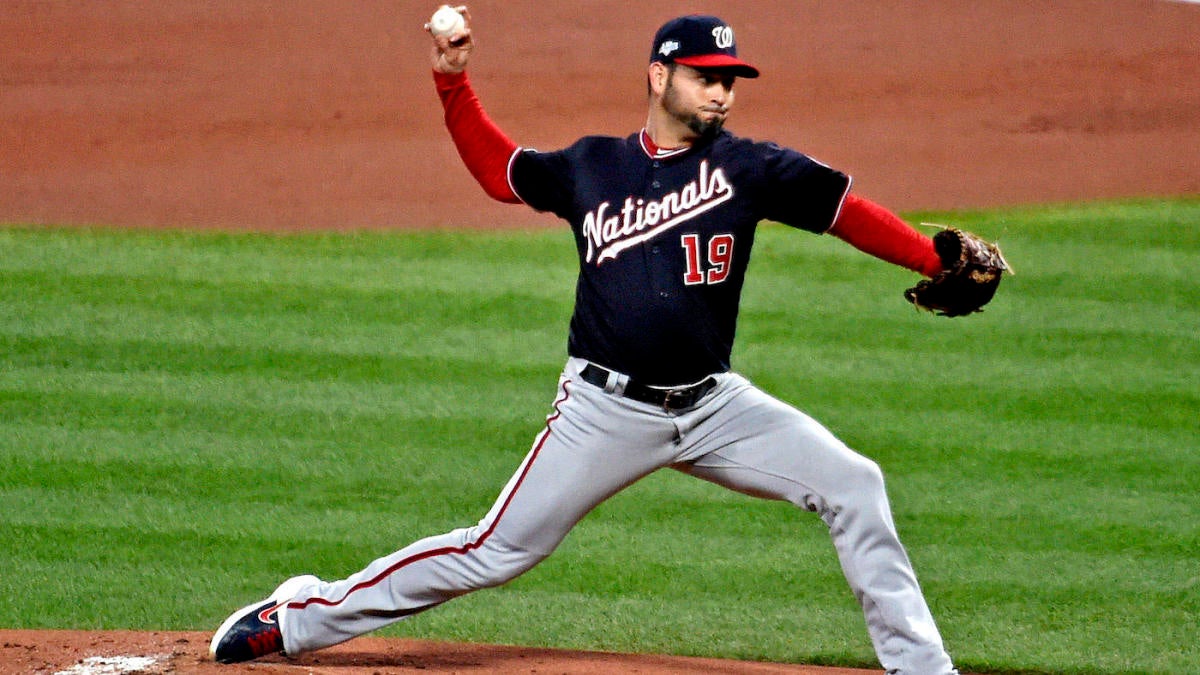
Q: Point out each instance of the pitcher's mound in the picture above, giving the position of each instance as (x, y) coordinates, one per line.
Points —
(74, 652)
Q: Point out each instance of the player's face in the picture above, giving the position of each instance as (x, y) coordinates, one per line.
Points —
(700, 99)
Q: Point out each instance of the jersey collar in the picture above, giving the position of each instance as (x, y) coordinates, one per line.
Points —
(654, 152)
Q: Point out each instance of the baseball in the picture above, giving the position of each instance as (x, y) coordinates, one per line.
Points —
(446, 22)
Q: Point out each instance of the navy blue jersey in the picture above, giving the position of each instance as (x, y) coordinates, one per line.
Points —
(664, 241)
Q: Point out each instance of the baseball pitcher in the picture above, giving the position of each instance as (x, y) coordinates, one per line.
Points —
(663, 222)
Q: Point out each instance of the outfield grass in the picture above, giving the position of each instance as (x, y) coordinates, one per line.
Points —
(188, 418)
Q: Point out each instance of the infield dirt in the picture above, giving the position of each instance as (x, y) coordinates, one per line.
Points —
(245, 116)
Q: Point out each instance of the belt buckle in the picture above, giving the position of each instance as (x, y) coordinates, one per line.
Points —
(683, 397)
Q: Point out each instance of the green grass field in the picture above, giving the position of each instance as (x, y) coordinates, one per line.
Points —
(188, 418)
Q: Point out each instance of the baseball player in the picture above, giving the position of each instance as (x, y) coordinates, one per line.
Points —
(663, 222)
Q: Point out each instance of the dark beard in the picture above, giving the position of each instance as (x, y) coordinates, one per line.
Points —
(706, 131)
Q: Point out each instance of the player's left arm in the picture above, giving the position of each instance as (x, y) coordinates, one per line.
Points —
(877, 231)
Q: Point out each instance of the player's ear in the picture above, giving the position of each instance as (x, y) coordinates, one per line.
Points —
(657, 75)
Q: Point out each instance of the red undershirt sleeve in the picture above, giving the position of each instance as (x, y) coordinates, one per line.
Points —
(873, 229)
(484, 148)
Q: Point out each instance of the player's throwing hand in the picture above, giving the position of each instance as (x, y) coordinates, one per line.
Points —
(450, 52)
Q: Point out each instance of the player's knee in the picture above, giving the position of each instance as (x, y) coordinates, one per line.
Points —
(856, 483)
(498, 562)
(862, 480)
(872, 478)
(871, 475)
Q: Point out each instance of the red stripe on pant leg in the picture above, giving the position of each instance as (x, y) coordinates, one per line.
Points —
(450, 550)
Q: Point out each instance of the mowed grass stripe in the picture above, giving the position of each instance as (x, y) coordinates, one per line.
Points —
(191, 417)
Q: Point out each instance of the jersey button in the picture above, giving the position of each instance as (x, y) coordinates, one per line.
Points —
(656, 185)
(664, 294)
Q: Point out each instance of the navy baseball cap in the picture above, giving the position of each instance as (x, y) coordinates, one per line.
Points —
(699, 41)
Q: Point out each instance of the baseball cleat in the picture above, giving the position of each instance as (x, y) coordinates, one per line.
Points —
(253, 631)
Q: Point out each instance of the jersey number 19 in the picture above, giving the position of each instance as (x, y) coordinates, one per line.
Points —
(719, 256)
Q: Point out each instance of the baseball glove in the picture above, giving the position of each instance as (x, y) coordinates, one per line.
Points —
(971, 271)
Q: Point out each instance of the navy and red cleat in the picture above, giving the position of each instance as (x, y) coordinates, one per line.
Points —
(253, 631)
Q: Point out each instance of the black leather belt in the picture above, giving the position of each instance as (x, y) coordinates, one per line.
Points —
(668, 398)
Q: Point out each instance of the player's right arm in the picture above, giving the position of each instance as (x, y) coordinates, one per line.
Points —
(485, 149)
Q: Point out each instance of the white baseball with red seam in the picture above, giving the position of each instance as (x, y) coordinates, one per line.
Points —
(446, 22)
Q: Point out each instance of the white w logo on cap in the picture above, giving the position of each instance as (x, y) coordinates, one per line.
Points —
(723, 35)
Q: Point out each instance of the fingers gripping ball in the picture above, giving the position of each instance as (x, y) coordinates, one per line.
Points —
(971, 271)
(446, 22)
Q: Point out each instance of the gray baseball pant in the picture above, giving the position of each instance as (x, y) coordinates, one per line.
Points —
(596, 443)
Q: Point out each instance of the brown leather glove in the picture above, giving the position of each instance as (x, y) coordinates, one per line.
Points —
(971, 271)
